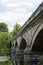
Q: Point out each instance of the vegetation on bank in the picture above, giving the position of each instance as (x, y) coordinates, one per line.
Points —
(5, 39)
(4, 42)
(40, 60)
(6, 63)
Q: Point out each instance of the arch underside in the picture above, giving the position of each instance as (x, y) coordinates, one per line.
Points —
(22, 47)
(23, 44)
(16, 45)
(37, 47)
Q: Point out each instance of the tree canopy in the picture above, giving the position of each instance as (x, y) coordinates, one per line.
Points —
(5, 39)
(16, 29)
(3, 27)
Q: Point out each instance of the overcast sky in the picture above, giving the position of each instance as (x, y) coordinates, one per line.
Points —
(17, 11)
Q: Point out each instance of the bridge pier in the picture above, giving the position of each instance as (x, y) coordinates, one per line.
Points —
(21, 58)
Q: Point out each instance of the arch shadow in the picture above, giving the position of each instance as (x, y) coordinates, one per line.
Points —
(16, 44)
(22, 47)
(23, 44)
(37, 47)
(36, 34)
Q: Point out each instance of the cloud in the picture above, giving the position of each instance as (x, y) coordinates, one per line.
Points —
(14, 5)
(12, 11)
(11, 18)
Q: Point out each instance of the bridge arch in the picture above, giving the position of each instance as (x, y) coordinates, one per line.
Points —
(22, 47)
(16, 44)
(23, 44)
(38, 38)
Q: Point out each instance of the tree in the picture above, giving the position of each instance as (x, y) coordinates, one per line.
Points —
(16, 29)
(5, 39)
(3, 27)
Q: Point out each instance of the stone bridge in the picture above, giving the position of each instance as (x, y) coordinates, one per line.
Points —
(27, 44)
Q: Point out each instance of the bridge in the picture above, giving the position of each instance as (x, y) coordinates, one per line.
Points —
(27, 44)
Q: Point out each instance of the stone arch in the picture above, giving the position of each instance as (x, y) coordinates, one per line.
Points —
(23, 44)
(12, 43)
(16, 44)
(15, 47)
(37, 33)
(22, 47)
(19, 41)
(25, 39)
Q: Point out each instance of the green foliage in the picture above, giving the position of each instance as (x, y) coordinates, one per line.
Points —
(5, 39)
(16, 29)
(3, 27)
(40, 60)
(6, 63)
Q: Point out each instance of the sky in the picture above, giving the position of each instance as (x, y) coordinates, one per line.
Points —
(17, 11)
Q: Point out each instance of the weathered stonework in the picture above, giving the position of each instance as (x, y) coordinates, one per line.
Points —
(25, 38)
